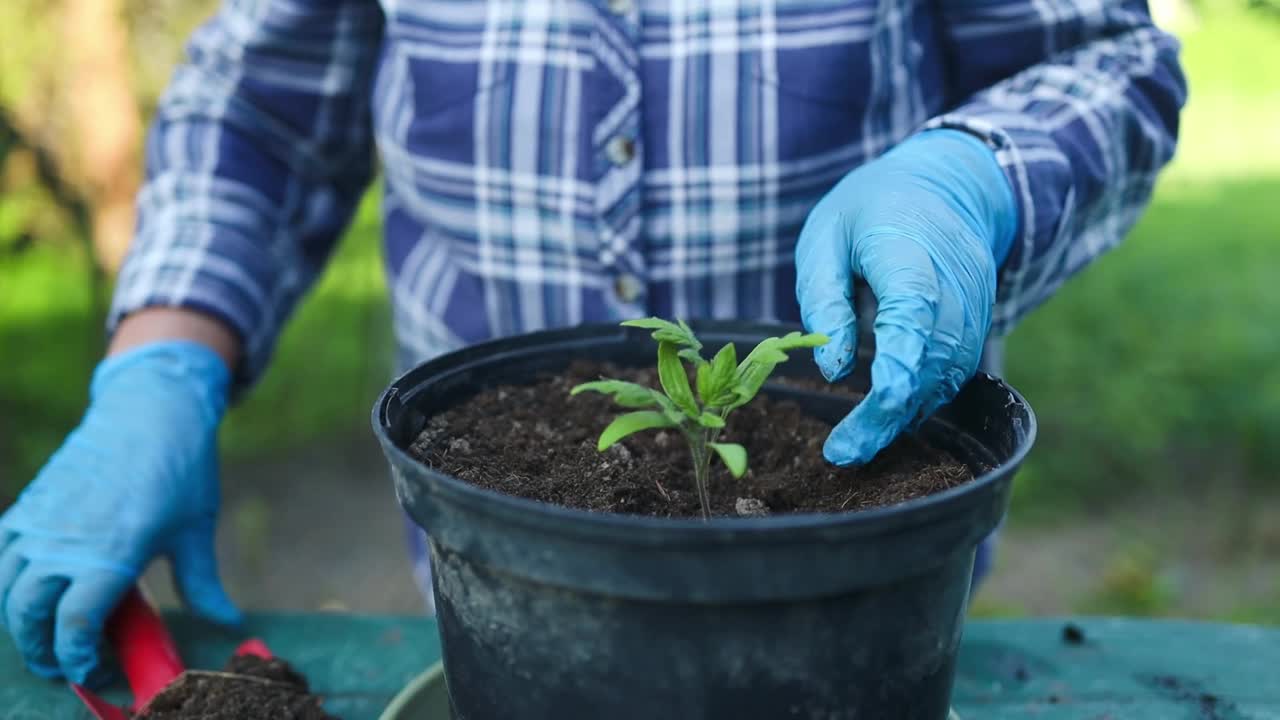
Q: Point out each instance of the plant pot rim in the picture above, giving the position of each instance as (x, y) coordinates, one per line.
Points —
(772, 528)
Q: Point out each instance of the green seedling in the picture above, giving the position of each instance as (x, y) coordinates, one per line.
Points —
(723, 385)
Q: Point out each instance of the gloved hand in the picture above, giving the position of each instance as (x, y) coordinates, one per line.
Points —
(925, 225)
(138, 478)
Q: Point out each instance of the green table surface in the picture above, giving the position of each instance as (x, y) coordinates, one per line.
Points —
(1124, 669)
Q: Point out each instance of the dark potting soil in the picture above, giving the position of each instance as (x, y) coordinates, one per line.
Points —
(537, 442)
(248, 688)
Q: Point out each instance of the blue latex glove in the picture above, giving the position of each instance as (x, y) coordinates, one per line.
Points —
(925, 225)
(138, 478)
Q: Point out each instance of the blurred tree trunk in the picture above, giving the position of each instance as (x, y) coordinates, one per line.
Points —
(105, 123)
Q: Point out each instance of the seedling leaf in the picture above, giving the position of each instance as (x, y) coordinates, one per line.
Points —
(710, 420)
(632, 422)
(760, 363)
(626, 394)
(693, 356)
(723, 365)
(667, 331)
(705, 389)
(718, 377)
(734, 457)
(796, 341)
(722, 385)
(694, 342)
(675, 382)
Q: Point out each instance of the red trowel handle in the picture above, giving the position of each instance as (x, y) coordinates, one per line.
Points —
(255, 647)
(147, 652)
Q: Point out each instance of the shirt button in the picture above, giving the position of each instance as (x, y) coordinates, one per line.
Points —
(628, 288)
(620, 7)
(621, 150)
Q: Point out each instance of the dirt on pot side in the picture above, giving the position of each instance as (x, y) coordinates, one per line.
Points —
(537, 442)
(248, 688)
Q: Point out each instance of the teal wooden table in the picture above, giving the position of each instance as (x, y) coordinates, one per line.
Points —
(1111, 670)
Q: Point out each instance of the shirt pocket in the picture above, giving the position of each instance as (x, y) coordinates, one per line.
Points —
(848, 77)
(477, 105)
(820, 52)
(438, 67)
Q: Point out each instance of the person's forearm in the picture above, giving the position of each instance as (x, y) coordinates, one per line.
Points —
(163, 323)
(1082, 107)
(247, 70)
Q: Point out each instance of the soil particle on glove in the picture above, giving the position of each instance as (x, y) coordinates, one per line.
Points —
(249, 688)
(536, 442)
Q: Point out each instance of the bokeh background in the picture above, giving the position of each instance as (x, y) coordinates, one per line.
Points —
(1156, 374)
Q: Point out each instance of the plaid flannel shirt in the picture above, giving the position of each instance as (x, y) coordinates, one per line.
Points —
(553, 163)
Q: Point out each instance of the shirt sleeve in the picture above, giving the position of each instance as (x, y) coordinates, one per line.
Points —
(257, 157)
(1080, 101)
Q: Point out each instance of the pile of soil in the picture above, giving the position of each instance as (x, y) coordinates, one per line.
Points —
(537, 442)
(248, 688)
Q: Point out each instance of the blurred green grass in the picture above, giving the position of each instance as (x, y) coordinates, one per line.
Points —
(1154, 370)
(330, 364)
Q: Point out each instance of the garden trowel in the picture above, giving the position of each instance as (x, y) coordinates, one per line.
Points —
(147, 654)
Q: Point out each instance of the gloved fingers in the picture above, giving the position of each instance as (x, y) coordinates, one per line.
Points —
(877, 420)
(29, 611)
(948, 354)
(195, 570)
(824, 289)
(12, 563)
(945, 392)
(901, 275)
(967, 353)
(80, 620)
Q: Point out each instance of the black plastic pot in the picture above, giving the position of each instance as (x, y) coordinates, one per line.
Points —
(551, 613)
